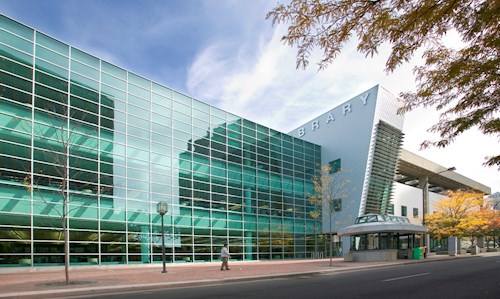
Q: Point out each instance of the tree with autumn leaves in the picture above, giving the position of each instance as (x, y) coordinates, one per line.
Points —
(462, 82)
(463, 214)
(329, 191)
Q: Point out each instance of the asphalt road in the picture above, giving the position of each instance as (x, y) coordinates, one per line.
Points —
(459, 278)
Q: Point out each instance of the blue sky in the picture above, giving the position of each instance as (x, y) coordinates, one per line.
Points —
(225, 53)
(157, 39)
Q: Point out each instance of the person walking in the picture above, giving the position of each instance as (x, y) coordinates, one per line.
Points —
(224, 254)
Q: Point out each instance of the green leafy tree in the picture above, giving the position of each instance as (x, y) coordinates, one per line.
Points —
(329, 192)
(461, 83)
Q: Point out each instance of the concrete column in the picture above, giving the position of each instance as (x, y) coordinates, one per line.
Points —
(346, 245)
(452, 246)
(423, 184)
(480, 242)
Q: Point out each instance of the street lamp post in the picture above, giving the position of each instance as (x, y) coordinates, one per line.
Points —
(162, 209)
(425, 204)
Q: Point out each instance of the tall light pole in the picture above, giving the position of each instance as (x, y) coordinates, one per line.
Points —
(162, 209)
(425, 203)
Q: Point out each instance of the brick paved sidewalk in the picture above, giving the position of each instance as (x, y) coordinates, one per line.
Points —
(48, 282)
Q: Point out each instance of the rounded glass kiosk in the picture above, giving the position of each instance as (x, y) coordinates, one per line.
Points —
(375, 237)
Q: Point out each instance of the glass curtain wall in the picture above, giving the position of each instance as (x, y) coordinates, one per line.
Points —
(112, 144)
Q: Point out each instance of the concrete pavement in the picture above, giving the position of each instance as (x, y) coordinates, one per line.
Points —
(48, 282)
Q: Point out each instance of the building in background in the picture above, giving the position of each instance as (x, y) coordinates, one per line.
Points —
(495, 200)
(132, 142)
(361, 140)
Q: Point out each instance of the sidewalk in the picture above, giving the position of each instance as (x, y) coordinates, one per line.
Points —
(48, 282)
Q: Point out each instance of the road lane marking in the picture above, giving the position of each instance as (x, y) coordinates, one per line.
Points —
(404, 277)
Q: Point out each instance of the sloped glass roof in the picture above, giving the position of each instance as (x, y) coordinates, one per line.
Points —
(370, 218)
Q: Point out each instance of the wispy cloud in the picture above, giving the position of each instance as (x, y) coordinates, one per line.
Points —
(266, 87)
(263, 85)
(225, 53)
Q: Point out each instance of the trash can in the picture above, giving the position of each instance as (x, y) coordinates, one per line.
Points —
(417, 253)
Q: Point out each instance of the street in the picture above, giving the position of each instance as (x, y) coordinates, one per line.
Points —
(459, 278)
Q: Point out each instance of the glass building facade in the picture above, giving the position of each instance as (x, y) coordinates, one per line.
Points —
(114, 144)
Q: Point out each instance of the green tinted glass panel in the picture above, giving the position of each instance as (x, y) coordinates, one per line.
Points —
(16, 55)
(335, 166)
(14, 150)
(83, 212)
(16, 42)
(17, 82)
(85, 93)
(84, 70)
(221, 115)
(139, 81)
(199, 107)
(107, 112)
(84, 115)
(141, 92)
(182, 117)
(51, 69)
(50, 93)
(52, 44)
(14, 206)
(182, 108)
(113, 93)
(84, 105)
(114, 70)
(106, 101)
(162, 90)
(51, 81)
(113, 81)
(161, 100)
(138, 101)
(85, 58)
(49, 209)
(84, 81)
(15, 27)
(53, 108)
(16, 68)
(51, 56)
(179, 97)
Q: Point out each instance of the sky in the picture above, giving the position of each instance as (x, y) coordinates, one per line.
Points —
(225, 53)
